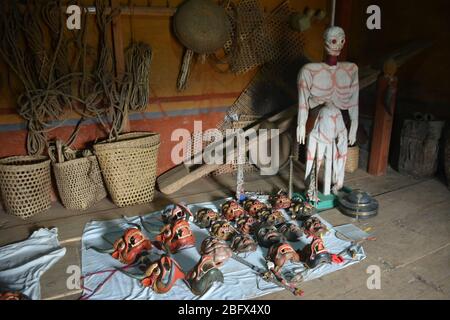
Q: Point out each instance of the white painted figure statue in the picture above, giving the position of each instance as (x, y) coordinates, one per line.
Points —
(332, 86)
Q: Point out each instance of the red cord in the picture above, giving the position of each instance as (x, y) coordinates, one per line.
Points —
(111, 271)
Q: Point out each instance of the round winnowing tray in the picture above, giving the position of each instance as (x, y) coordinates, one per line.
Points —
(201, 25)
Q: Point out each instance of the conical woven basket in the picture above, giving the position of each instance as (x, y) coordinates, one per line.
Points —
(129, 167)
(79, 182)
(25, 184)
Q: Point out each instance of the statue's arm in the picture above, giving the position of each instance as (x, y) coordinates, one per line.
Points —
(354, 108)
(304, 82)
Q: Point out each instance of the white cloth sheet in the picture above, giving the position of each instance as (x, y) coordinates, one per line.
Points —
(240, 282)
(23, 263)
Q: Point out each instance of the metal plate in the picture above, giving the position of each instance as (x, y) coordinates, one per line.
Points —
(358, 204)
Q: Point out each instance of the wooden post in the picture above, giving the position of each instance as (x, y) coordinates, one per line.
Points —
(117, 40)
(384, 116)
(118, 49)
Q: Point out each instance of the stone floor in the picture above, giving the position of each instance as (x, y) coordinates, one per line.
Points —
(412, 230)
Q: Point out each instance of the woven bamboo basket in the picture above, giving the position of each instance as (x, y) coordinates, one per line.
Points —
(25, 184)
(352, 159)
(79, 182)
(129, 167)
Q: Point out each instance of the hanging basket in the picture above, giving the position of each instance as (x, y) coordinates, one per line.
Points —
(25, 185)
(79, 182)
(351, 165)
(129, 167)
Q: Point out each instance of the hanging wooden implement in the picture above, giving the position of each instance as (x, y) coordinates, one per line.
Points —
(184, 173)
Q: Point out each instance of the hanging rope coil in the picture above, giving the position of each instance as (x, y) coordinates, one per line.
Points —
(53, 86)
(138, 60)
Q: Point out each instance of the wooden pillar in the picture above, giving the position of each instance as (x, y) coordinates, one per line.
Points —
(384, 116)
(118, 49)
(117, 40)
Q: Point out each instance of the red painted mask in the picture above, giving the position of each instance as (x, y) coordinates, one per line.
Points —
(218, 249)
(253, 207)
(274, 218)
(203, 275)
(263, 214)
(315, 254)
(267, 235)
(205, 217)
(231, 210)
(243, 243)
(281, 253)
(301, 210)
(280, 201)
(314, 227)
(176, 212)
(291, 231)
(130, 246)
(223, 230)
(176, 236)
(13, 296)
(245, 223)
(162, 275)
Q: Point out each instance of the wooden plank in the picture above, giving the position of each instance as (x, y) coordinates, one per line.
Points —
(71, 223)
(140, 11)
(382, 128)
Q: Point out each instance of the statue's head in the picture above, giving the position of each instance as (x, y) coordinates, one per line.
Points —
(334, 40)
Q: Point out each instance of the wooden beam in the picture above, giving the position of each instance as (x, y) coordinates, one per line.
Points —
(139, 11)
(383, 121)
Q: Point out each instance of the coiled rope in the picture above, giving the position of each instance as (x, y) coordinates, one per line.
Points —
(53, 86)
